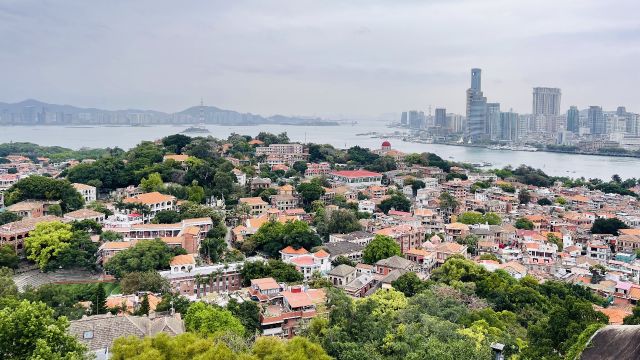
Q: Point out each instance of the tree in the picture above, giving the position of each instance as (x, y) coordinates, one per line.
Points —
(45, 188)
(28, 330)
(152, 183)
(396, 201)
(46, 241)
(100, 207)
(143, 281)
(634, 318)
(273, 236)
(248, 312)
(175, 143)
(213, 248)
(110, 235)
(337, 222)
(167, 217)
(300, 166)
(81, 253)
(145, 255)
(524, 223)
(448, 203)
(55, 209)
(99, 300)
(597, 273)
(524, 197)
(277, 269)
(310, 191)
(544, 202)
(341, 259)
(471, 217)
(489, 257)
(144, 306)
(608, 226)
(8, 257)
(170, 300)
(209, 319)
(381, 247)
(409, 284)
(555, 240)
(8, 287)
(471, 242)
(8, 216)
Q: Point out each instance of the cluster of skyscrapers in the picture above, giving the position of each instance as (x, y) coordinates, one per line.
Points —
(485, 122)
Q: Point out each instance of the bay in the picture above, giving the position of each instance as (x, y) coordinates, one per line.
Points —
(556, 164)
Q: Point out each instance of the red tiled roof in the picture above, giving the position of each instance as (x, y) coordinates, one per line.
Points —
(355, 173)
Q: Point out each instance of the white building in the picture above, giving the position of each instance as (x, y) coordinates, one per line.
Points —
(88, 192)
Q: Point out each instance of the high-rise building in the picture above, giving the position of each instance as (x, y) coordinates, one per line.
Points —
(493, 121)
(596, 121)
(416, 119)
(546, 101)
(476, 109)
(509, 122)
(403, 118)
(441, 118)
(573, 119)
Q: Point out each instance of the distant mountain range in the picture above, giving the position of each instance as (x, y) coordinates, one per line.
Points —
(34, 112)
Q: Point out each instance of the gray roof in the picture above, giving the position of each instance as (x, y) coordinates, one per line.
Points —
(392, 276)
(342, 247)
(99, 331)
(341, 270)
(354, 235)
(620, 342)
(396, 262)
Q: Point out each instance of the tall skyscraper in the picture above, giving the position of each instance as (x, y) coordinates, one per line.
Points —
(509, 122)
(546, 101)
(416, 119)
(596, 120)
(573, 119)
(441, 117)
(493, 121)
(476, 109)
(403, 118)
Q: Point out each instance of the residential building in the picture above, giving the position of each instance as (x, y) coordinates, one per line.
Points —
(154, 201)
(546, 101)
(573, 119)
(358, 237)
(15, 232)
(596, 120)
(476, 109)
(320, 169)
(256, 205)
(357, 178)
(305, 262)
(88, 192)
(407, 236)
(285, 314)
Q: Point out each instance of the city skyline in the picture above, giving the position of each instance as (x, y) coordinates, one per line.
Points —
(328, 59)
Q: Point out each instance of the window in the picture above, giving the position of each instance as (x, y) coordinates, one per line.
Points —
(87, 335)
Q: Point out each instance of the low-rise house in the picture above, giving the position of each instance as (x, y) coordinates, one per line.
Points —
(15, 232)
(358, 237)
(285, 314)
(98, 332)
(192, 281)
(357, 178)
(342, 275)
(598, 250)
(349, 250)
(455, 231)
(447, 249)
(85, 214)
(154, 201)
(264, 289)
(256, 205)
(305, 262)
(425, 259)
(407, 236)
(385, 266)
(366, 206)
(88, 192)
(28, 209)
(320, 169)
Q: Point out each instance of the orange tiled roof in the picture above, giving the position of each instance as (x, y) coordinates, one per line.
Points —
(150, 198)
(291, 251)
(183, 260)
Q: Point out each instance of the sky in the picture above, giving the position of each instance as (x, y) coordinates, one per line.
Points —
(328, 58)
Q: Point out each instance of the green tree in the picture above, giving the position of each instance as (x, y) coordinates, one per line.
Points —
(80, 253)
(544, 202)
(167, 217)
(381, 247)
(151, 183)
(524, 223)
(8, 257)
(248, 312)
(524, 197)
(143, 281)
(45, 188)
(555, 240)
(634, 318)
(597, 273)
(144, 306)
(310, 191)
(448, 203)
(46, 241)
(145, 255)
(28, 330)
(99, 300)
(179, 303)
(175, 143)
(55, 209)
(213, 248)
(273, 236)
(341, 259)
(409, 284)
(471, 217)
(337, 222)
(300, 166)
(279, 270)
(8, 287)
(397, 201)
(8, 216)
(208, 320)
(608, 226)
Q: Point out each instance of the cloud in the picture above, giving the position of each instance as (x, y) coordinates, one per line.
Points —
(317, 57)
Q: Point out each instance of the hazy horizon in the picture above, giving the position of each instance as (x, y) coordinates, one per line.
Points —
(346, 59)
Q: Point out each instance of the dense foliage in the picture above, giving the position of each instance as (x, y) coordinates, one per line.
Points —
(145, 255)
(45, 188)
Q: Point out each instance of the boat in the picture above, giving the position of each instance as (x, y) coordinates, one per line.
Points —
(196, 129)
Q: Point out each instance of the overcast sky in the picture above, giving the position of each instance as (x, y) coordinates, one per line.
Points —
(324, 57)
